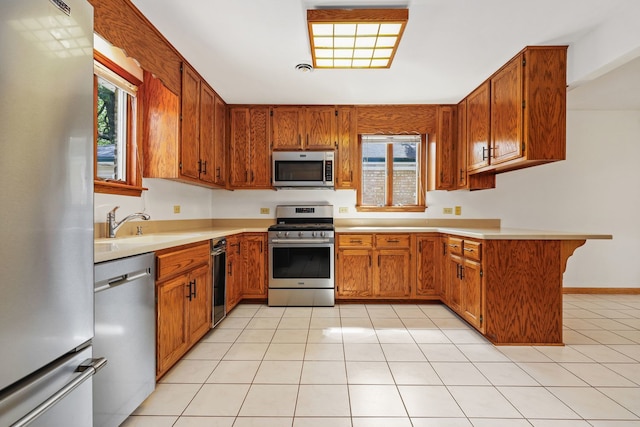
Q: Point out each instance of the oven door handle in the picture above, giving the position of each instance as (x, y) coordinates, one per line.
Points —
(301, 241)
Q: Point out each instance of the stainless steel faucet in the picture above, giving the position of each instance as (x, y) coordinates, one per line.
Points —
(113, 225)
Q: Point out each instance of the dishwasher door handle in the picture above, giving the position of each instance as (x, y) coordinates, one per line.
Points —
(124, 279)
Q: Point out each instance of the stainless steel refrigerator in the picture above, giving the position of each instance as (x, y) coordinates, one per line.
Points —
(46, 213)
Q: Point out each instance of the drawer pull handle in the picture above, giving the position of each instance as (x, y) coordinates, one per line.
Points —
(453, 246)
(469, 250)
(355, 241)
(393, 241)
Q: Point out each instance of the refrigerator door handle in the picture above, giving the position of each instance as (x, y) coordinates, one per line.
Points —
(86, 369)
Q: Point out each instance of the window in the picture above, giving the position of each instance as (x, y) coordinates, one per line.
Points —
(117, 164)
(392, 171)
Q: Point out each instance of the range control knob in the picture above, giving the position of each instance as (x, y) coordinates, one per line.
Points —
(279, 234)
(300, 233)
(322, 233)
(286, 234)
(313, 234)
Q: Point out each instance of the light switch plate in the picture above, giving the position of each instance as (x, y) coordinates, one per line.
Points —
(447, 211)
(264, 211)
(458, 210)
(176, 209)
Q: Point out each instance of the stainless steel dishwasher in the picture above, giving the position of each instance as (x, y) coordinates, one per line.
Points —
(125, 333)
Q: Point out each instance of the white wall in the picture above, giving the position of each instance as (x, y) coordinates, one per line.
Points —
(195, 202)
(595, 190)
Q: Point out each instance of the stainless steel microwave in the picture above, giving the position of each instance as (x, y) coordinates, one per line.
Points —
(303, 169)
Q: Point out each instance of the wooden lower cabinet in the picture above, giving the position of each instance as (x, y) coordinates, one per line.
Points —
(253, 249)
(465, 280)
(429, 284)
(183, 309)
(246, 268)
(354, 273)
(374, 266)
(234, 280)
(392, 276)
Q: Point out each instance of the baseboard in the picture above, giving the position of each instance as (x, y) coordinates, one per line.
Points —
(610, 291)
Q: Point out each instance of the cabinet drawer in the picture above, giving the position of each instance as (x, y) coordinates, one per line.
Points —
(472, 250)
(392, 240)
(455, 245)
(174, 261)
(355, 240)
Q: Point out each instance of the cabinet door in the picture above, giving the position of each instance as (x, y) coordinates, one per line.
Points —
(160, 129)
(444, 269)
(478, 121)
(472, 292)
(239, 148)
(234, 272)
(172, 318)
(254, 251)
(445, 149)
(455, 284)
(219, 170)
(461, 146)
(200, 302)
(260, 157)
(320, 128)
(207, 133)
(287, 124)
(507, 112)
(354, 273)
(392, 276)
(347, 150)
(190, 123)
(428, 266)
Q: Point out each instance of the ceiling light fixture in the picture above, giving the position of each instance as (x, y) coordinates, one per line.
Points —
(355, 38)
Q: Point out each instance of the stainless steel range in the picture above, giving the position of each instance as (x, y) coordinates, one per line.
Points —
(301, 256)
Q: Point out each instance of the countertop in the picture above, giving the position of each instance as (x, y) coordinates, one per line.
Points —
(108, 249)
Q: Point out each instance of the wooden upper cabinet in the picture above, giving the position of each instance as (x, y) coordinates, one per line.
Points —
(183, 139)
(461, 145)
(506, 112)
(303, 128)
(249, 156)
(207, 133)
(219, 169)
(347, 160)
(445, 148)
(478, 120)
(321, 128)
(190, 123)
(540, 135)
(160, 129)
(287, 125)
(517, 118)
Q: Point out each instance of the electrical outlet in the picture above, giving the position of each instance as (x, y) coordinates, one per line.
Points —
(264, 211)
(447, 211)
(343, 209)
(458, 210)
(176, 209)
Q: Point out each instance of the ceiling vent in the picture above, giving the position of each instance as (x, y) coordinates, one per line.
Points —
(304, 68)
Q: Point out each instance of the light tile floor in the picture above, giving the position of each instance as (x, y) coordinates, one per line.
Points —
(402, 366)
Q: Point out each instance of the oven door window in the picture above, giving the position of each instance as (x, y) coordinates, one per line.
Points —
(301, 262)
(312, 171)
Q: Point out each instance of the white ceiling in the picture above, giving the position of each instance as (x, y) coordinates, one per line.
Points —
(247, 49)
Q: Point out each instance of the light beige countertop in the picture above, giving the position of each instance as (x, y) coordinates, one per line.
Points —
(106, 249)
(498, 233)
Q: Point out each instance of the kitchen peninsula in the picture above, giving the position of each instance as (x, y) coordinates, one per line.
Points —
(505, 282)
